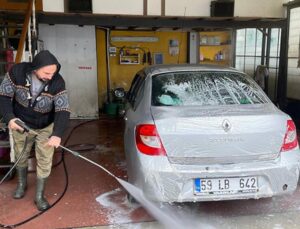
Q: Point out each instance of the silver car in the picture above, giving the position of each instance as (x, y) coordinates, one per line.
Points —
(204, 133)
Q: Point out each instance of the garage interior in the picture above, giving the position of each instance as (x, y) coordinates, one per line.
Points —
(101, 46)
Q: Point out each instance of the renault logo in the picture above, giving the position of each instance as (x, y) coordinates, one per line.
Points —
(226, 125)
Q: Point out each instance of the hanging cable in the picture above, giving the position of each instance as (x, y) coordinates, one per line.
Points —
(21, 155)
(29, 41)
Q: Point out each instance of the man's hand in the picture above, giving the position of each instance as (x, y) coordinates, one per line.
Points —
(54, 141)
(13, 126)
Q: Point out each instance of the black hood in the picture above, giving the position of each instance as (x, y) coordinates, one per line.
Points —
(44, 58)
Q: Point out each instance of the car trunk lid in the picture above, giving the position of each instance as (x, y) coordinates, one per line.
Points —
(220, 134)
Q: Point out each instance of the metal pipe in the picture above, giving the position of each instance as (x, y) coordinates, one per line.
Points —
(33, 19)
(29, 42)
(109, 99)
(86, 159)
(268, 49)
(108, 80)
(263, 48)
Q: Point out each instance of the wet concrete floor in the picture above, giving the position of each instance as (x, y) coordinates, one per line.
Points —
(94, 199)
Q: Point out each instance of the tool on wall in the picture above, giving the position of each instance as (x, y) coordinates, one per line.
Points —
(149, 57)
(146, 55)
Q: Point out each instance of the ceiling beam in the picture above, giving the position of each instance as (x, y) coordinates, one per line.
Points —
(164, 22)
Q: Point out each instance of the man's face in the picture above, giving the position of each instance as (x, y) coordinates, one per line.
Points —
(46, 73)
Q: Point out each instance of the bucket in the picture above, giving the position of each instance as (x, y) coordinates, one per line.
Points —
(111, 108)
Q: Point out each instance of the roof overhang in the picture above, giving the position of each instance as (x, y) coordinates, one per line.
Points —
(151, 22)
(155, 22)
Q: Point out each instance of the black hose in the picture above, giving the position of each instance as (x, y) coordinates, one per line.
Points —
(76, 147)
(21, 155)
(52, 205)
(66, 182)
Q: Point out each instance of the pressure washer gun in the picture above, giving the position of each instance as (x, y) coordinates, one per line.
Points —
(29, 130)
(23, 125)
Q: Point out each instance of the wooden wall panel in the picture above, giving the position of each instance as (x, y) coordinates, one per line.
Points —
(19, 5)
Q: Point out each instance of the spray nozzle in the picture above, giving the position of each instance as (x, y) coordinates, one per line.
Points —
(22, 124)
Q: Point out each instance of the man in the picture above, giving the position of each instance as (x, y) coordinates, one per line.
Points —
(35, 93)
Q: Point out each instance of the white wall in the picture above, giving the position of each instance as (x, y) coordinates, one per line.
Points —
(188, 8)
(130, 7)
(53, 6)
(154, 7)
(259, 8)
(198, 8)
(74, 48)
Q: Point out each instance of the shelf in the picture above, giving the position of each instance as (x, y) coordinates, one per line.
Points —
(215, 47)
(130, 59)
(203, 45)
(213, 61)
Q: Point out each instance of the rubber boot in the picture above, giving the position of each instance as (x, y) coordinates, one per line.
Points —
(40, 201)
(22, 182)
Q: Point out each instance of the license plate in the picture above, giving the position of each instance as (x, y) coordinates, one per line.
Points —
(225, 185)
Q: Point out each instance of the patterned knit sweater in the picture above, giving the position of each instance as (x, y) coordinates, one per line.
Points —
(49, 105)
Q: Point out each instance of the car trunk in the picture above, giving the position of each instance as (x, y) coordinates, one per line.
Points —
(220, 134)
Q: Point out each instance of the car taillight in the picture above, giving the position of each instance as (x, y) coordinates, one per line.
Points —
(148, 141)
(290, 138)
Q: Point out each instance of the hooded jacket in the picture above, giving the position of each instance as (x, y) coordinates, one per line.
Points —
(50, 105)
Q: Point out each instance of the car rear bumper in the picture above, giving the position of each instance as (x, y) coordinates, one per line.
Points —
(165, 182)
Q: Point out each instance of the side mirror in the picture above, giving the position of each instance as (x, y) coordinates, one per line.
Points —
(119, 93)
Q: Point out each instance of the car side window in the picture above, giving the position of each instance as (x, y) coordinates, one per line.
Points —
(139, 94)
(130, 93)
(133, 91)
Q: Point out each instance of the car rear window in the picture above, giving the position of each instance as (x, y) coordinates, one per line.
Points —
(205, 88)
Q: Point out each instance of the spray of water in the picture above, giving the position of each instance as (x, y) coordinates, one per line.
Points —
(164, 214)
(155, 211)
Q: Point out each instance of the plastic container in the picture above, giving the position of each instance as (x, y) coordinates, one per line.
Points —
(111, 108)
